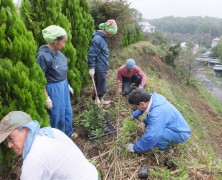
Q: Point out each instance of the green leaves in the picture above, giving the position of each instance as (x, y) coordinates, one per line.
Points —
(19, 92)
(127, 130)
(93, 119)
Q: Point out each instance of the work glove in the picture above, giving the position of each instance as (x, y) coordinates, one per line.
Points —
(92, 72)
(129, 147)
(140, 86)
(71, 90)
(136, 114)
(48, 103)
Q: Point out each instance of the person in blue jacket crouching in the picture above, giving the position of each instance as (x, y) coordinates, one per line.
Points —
(164, 124)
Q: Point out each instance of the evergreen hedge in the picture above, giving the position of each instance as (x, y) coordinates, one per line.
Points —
(22, 81)
(78, 13)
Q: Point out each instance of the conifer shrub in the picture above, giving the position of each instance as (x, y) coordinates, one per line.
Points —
(16, 43)
(22, 80)
(82, 26)
(18, 92)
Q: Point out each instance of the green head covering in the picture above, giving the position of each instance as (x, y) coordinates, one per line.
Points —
(110, 27)
(52, 32)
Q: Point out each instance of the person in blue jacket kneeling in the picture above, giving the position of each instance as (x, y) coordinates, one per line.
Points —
(164, 124)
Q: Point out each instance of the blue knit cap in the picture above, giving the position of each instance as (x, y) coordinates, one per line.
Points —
(130, 63)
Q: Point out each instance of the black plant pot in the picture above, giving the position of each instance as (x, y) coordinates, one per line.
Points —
(107, 129)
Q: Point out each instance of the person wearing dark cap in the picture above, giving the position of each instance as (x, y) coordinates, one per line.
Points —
(47, 152)
(129, 74)
(164, 124)
(55, 67)
(98, 56)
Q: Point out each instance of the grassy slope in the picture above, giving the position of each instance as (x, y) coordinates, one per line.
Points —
(197, 158)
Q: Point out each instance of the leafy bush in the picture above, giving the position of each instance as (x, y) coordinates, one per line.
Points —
(93, 119)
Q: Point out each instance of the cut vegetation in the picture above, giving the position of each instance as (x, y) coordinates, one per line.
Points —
(199, 158)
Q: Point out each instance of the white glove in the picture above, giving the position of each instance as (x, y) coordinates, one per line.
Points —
(129, 147)
(140, 86)
(91, 72)
(71, 90)
(48, 103)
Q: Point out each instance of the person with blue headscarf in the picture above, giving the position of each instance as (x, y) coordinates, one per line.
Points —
(47, 152)
(55, 67)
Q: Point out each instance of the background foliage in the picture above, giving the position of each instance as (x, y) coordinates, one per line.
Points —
(129, 30)
(199, 30)
(217, 50)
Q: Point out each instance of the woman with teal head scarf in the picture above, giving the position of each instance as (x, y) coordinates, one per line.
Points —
(55, 67)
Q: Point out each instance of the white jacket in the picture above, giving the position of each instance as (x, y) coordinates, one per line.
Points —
(56, 158)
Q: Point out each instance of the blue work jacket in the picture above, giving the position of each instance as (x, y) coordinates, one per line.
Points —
(53, 64)
(98, 54)
(162, 115)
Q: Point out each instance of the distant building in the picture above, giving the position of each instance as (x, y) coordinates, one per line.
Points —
(218, 70)
(206, 54)
(195, 48)
(147, 27)
(183, 45)
(213, 62)
(214, 42)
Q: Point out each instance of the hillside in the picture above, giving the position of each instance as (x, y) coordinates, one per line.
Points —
(198, 158)
(195, 159)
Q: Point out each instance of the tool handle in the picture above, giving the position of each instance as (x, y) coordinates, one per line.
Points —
(97, 98)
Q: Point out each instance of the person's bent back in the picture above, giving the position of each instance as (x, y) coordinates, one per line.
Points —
(47, 152)
(164, 124)
(57, 158)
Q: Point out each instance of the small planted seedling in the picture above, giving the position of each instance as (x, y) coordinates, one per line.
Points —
(95, 121)
(128, 130)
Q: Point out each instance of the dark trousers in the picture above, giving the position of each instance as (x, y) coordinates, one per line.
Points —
(100, 81)
(127, 82)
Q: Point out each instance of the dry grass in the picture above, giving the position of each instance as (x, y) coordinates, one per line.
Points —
(185, 161)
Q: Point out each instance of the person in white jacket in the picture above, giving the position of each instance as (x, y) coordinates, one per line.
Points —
(47, 152)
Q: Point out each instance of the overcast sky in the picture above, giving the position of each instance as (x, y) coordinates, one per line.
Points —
(183, 8)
